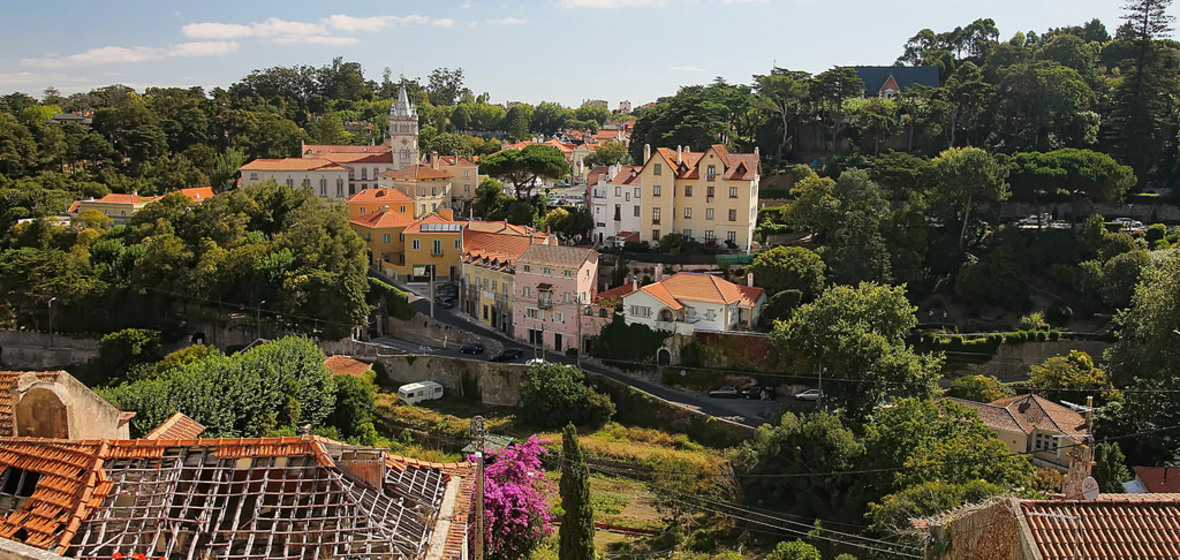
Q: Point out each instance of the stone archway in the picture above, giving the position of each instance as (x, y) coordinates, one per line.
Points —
(42, 413)
(663, 357)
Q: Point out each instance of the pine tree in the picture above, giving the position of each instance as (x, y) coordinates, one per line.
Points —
(1110, 468)
(576, 535)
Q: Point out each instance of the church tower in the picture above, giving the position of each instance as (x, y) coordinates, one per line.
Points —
(403, 130)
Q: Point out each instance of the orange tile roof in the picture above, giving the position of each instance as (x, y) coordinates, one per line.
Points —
(661, 293)
(379, 195)
(1033, 412)
(460, 162)
(1159, 480)
(597, 174)
(293, 164)
(615, 293)
(383, 219)
(996, 418)
(199, 194)
(448, 226)
(177, 426)
(121, 198)
(416, 172)
(316, 150)
(693, 286)
(735, 167)
(628, 174)
(344, 365)
(558, 255)
(1104, 529)
(497, 249)
(7, 380)
(346, 158)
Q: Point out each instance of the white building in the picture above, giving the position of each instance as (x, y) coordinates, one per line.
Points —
(688, 302)
(617, 205)
(328, 179)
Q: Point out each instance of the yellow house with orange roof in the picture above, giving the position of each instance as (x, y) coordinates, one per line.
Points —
(433, 243)
(464, 178)
(428, 186)
(490, 250)
(372, 200)
(120, 207)
(382, 231)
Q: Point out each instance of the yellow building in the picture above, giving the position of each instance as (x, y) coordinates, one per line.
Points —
(710, 196)
(490, 250)
(464, 178)
(372, 200)
(429, 187)
(382, 231)
(120, 207)
(433, 243)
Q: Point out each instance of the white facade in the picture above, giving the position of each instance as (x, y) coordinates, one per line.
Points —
(643, 308)
(327, 184)
(403, 131)
(617, 205)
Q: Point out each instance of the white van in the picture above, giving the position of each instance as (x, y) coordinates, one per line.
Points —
(420, 391)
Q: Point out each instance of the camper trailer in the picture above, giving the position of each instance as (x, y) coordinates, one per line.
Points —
(421, 391)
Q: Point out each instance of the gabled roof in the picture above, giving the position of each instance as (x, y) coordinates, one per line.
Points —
(7, 380)
(615, 293)
(734, 167)
(198, 194)
(497, 249)
(1159, 480)
(557, 255)
(383, 219)
(305, 497)
(123, 198)
(707, 288)
(906, 77)
(1112, 527)
(379, 195)
(597, 174)
(456, 161)
(177, 426)
(435, 223)
(416, 172)
(344, 365)
(1026, 414)
(627, 175)
(293, 164)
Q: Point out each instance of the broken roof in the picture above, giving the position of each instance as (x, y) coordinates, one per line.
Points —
(303, 497)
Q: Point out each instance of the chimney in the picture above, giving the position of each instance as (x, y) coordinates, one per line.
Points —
(679, 155)
(646, 153)
(1089, 409)
(659, 272)
(757, 153)
(750, 279)
(634, 283)
(434, 159)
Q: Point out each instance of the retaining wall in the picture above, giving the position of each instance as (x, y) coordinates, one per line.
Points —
(436, 334)
(482, 381)
(31, 350)
(1012, 361)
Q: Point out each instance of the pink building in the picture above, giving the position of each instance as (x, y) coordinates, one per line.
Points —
(554, 285)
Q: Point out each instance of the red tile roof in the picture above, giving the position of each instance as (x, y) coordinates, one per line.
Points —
(199, 194)
(597, 174)
(1159, 480)
(734, 167)
(497, 249)
(557, 255)
(615, 293)
(344, 365)
(708, 288)
(293, 164)
(315, 150)
(7, 380)
(459, 162)
(1104, 529)
(379, 195)
(383, 219)
(415, 172)
(177, 426)
(1033, 412)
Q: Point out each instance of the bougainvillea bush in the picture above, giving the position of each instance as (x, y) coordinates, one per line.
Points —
(516, 513)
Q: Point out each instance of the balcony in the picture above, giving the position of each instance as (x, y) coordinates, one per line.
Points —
(546, 303)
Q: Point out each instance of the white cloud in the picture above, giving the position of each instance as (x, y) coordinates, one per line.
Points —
(443, 22)
(15, 78)
(350, 24)
(686, 68)
(508, 21)
(123, 55)
(745, 1)
(316, 40)
(611, 4)
(216, 30)
(293, 32)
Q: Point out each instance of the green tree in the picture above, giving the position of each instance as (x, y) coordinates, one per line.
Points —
(329, 129)
(548, 117)
(978, 388)
(576, 535)
(594, 113)
(119, 352)
(1080, 172)
(784, 94)
(966, 177)
(789, 268)
(450, 144)
(891, 516)
(569, 222)
(524, 167)
(1072, 378)
(490, 201)
(445, 86)
(1140, 105)
(555, 394)
(793, 550)
(1120, 275)
(353, 413)
(816, 207)
(1110, 468)
(607, 154)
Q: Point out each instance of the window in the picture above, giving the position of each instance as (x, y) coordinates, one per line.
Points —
(422, 191)
(708, 213)
(602, 312)
(364, 174)
(466, 188)
(637, 193)
(732, 192)
(709, 235)
(567, 273)
(456, 244)
(558, 317)
(467, 174)
(655, 216)
(709, 192)
(403, 209)
(505, 287)
(548, 271)
(528, 292)
(433, 191)
(351, 189)
(711, 173)
(386, 238)
(324, 188)
(290, 182)
(495, 285)
(18, 485)
(567, 298)
(640, 311)
(688, 233)
(733, 215)
(659, 169)
(417, 244)
(687, 190)
(527, 268)
(253, 176)
(437, 247)
(618, 191)
(530, 313)
(655, 235)
(401, 237)
(731, 236)
(627, 197)
(618, 208)
(688, 212)
(655, 190)
(485, 313)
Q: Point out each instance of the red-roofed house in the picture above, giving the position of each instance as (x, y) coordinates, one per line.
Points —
(490, 251)
(373, 200)
(1032, 424)
(464, 178)
(429, 186)
(343, 365)
(1154, 480)
(326, 178)
(120, 207)
(688, 302)
(616, 203)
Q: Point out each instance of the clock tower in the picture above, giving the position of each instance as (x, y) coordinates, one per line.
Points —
(403, 130)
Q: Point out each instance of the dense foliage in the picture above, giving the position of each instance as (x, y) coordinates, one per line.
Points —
(577, 523)
(516, 513)
(555, 394)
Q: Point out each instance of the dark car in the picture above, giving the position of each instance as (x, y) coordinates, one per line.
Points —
(446, 302)
(726, 392)
(506, 355)
(447, 290)
(471, 348)
(760, 392)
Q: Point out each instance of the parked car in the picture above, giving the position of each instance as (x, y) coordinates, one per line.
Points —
(506, 355)
(471, 348)
(809, 395)
(535, 361)
(726, 392)
(1036, 220)
(446, 302)
(1129, 224)
(448, 289)
(760, 392)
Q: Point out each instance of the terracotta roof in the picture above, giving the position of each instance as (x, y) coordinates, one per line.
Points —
(443, 225)
(177, 426)
(734, 167)
(73, 209)
(415, 172)
(615, 293)
(293, 164)
(311, 496)
(317, 149)
(121, 198)
(481, 247)
(1104, 529)
(379, 195)
(708, 288)
(1159, 480)
(383, 219)
(7, 380)
(661, 293)
(504, 227)
(597, 174)
(558, 255)
(1033, 412)
(456, 161)
(343, 365)
(994, 417)
(199, 194)
(626, 236)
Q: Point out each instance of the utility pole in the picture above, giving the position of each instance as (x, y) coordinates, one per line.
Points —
(51, 336)
(258, 319)
(579, 312)
(477, 433)
(431, 291)
(819, 404)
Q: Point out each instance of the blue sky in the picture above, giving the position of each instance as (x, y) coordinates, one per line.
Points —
(558, 50)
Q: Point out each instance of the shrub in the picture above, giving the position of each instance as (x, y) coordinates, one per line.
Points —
(119, 352)
(1033, 321)
(1156, 232)
(396, 302)
(1054, 335)
(1059, 314)
(554, 395)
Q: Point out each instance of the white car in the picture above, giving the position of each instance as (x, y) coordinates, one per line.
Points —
(1129, 224)
(808, 395)
(535, 362)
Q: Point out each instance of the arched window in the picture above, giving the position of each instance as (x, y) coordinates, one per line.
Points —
(323, 186)
(290, 182)
(665, 315)
(340, 187)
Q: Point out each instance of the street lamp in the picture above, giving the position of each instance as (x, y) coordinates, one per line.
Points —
(51, 336)
(258, 320)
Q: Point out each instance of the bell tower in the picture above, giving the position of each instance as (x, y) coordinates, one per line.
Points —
(403, 130)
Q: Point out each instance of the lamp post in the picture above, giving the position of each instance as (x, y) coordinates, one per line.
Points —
(258, 320)
(52, 340)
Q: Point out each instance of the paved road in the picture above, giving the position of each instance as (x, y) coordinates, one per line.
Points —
(749, 412)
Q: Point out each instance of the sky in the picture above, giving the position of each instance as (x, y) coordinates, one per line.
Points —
(537, 50)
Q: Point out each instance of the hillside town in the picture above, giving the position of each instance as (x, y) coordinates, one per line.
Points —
(922, 310)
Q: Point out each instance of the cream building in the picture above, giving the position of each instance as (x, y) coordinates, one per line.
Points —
(427, 185)
(617, 205)
(327, 179)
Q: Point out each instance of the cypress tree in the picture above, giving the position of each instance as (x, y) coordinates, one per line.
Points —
(576, 535)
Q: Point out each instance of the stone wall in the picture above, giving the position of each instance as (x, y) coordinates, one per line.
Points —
(482, 381)
(436, 334)
(29, 350)
(1012, 361)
